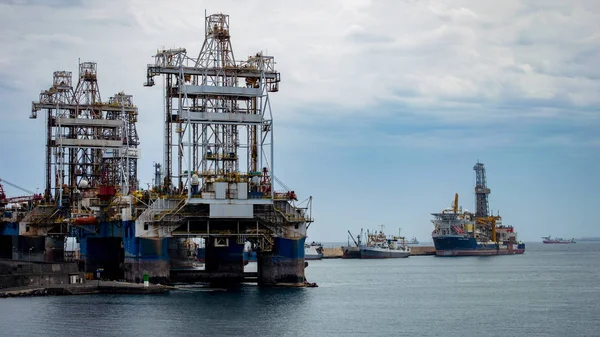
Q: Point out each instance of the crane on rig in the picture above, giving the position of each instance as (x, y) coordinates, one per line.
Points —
(31, 196)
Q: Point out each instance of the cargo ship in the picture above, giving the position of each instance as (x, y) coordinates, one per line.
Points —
(381, 247)
(463, 233)
(548, 239)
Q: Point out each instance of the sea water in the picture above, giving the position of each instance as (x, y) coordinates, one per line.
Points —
(551, 290)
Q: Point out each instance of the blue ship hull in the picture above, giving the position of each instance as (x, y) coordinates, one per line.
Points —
(456, 245)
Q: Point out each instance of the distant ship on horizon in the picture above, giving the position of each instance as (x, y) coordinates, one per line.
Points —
(548, 239)
(589, 238)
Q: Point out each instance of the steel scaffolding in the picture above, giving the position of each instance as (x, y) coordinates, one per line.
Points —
(89, 143)
(217, 115)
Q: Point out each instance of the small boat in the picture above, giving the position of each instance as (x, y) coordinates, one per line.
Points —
(314, 251)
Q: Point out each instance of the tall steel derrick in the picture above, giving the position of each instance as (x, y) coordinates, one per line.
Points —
(217, 113)
(122, 163)
(481, 192)
(88, 142)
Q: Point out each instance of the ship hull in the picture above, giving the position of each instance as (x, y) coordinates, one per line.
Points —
(350, 252)
(381, 253)
(313, 256)
(466, 246)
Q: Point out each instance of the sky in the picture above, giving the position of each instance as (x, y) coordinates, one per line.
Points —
(383, 109)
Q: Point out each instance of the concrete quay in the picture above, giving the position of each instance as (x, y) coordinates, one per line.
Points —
(90, 287)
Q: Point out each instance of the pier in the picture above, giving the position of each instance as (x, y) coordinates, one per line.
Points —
(337, 252)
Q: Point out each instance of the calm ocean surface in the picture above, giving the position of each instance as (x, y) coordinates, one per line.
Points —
(551, 290)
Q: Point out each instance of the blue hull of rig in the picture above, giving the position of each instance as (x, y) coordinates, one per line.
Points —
(284, 265)
(27, 248)
(112, 248)
(115, 250)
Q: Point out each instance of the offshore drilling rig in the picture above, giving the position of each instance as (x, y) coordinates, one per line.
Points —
(221, 188)
(90, 170)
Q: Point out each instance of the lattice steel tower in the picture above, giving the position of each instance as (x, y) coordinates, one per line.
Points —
(481, 191)
(92, 143)
(217, 113)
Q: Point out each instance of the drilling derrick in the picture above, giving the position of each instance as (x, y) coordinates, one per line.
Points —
(217, 112)
(91, 146)
(125, 159)
(91, 169)
(55, 101)
(218, 118)
(84, 162)
(488, 222)
(481, 192)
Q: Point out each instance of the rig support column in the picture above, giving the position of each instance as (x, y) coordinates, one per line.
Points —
(224, 260)
(284, 265)
(55, 248)
(147, 256)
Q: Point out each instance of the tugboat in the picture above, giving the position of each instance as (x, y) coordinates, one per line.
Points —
(380, 247)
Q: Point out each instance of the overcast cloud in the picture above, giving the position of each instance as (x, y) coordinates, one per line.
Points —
(426, 75)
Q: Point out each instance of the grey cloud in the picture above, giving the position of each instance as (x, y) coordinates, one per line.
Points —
(57, 40)
(7, 85)
(44, 3)
(467, 55)
(364, 37)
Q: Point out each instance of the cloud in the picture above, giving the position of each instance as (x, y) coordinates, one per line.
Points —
(43, 3)
(342, 62)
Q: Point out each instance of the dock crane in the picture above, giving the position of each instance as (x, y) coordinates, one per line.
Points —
(357, 243)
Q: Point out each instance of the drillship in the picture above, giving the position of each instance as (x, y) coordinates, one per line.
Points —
(459, 233)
